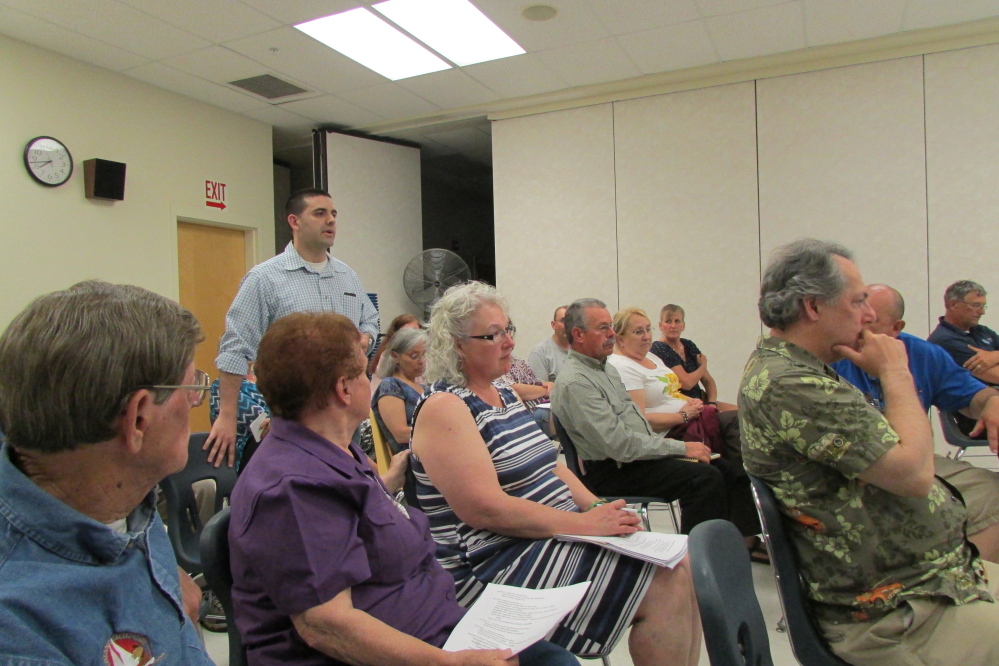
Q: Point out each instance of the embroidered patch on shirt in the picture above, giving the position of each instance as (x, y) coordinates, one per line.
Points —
(126, 649)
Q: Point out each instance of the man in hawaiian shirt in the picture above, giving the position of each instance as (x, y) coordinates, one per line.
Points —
(880, 540)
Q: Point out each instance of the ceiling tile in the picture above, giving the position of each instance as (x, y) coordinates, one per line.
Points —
(670, 48)
(217, 21)
(169, 78)
(757, 32)
(330, 109)
(56, 38)
(518, 76)
(624, 16)
(593, 62)
(449, 89)
(574, 23)
(289, 51)
(835, 21)
(115, 23)
(930, 13)
(280, 116)
(389, 100)
(219, 64)
(719, 7)
(297, 11)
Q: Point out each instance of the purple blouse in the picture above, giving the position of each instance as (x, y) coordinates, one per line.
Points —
(310, 520)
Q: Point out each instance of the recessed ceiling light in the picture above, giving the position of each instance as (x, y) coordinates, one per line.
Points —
(454, 28)
(362, 36)
(539, 13)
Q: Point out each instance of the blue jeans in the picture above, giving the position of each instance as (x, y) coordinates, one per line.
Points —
(544, 653)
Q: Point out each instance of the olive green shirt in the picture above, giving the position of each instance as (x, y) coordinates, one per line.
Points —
(862, 550)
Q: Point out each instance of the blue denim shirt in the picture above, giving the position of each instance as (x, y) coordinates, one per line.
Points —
(73, 591)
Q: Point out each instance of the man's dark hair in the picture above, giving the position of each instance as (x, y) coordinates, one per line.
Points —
(296, 202)
(803, 269)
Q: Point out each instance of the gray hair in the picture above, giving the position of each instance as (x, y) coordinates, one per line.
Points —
(450, 321)
(961, 288)
(71, 360)
(800, 270)
(575, 314)
(401, 342)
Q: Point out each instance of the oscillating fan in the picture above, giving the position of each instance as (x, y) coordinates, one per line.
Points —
(429, 274)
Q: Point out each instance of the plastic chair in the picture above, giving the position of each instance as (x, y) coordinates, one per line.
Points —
(807, 644)
(383, 456)
(183, 520)
(214, 548)
(950, 423)
(735, 632)
(575, 466)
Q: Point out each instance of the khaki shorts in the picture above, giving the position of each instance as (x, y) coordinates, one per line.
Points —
(979, 487)
(924, 632)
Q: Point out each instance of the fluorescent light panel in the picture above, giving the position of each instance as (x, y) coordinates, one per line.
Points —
(367, 39)
(454, 28)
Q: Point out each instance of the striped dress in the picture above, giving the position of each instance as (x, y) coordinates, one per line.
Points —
(525, 462)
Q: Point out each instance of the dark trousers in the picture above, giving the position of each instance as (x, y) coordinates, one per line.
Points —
(706, 492)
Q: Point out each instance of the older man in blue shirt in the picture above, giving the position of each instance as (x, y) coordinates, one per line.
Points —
(942, 383)
(96, 388)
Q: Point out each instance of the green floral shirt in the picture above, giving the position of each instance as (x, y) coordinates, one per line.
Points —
(862, 550)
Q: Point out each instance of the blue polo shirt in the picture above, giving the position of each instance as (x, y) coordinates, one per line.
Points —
(956, 341)
(940, 381)
(74, 591)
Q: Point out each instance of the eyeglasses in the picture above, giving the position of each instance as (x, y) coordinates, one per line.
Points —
(499, 336)
(976, 306)
(196, 392)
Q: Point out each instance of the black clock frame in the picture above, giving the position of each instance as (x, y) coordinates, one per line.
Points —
(27, 163)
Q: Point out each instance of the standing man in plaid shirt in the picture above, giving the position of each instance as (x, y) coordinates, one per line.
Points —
(303, 278)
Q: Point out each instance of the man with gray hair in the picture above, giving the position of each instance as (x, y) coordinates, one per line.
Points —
(880, 540)
(972, 345)
(96, 388)
(619, 452)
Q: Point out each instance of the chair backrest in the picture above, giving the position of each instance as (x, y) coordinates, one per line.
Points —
(735, 632)
(215, 560)
(383, 455)
(183, 517)
(568, 449)
(949, 422)
(807, 643)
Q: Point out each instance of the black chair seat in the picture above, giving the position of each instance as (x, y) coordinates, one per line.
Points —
(735, 632)
(807, 642)
(183, 519)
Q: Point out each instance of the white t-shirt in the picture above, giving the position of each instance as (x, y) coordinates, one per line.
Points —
(661, 385)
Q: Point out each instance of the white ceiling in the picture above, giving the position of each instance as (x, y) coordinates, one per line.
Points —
(194, 47)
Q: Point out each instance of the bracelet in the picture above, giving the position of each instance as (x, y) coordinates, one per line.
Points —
(686, 419)
(600, 501)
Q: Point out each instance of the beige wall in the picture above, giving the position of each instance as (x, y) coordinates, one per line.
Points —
(53, 237)
(693, 190)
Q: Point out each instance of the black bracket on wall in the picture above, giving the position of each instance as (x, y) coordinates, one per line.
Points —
(320, 174)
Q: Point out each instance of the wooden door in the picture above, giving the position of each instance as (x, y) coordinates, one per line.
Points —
(212, 262)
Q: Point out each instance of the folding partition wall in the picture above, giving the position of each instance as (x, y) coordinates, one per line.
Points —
(681, 197)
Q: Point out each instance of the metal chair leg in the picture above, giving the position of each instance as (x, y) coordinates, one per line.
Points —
(643, 512)
(605, 660)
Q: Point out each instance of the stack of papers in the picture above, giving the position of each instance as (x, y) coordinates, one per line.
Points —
(665, 550)
(513, 617)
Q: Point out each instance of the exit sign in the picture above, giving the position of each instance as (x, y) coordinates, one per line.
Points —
(215, 194)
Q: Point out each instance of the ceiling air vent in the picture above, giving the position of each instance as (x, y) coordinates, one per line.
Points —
(268, 86)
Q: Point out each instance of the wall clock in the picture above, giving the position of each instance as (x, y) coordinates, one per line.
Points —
(48, 161)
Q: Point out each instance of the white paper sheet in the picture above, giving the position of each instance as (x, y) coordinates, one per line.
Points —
(513, 617)
(666, 550)
(257, 425)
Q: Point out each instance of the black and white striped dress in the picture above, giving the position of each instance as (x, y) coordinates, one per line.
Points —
(525, 463)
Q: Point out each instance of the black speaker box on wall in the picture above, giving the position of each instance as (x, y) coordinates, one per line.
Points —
(104, 179)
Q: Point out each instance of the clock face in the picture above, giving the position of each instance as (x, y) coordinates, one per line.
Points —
(48, 161)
